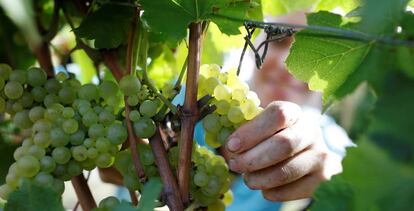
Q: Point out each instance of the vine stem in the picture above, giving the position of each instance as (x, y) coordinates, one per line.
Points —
(42, 53)
(169, 181)
(83, 192)
(133, 144)
(189, 113)
(131, 42)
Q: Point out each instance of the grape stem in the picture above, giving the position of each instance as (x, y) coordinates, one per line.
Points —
(189, 112)
(132, 43)
(133, 144)
(83, 193)
(169, 181)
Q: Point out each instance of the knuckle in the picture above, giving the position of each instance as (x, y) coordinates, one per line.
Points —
(284, 175)
(284, 142)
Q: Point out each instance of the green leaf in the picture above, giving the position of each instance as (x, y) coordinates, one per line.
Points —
(108, 25)
(325, 62)
(382, 16)
(31, 197)
(150, 193)
(370, 181)
(345, 5)
(183, 12)
(282, 7)
(124, 206)
(405, 60)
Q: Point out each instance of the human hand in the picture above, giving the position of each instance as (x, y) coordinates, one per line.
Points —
(282, 153)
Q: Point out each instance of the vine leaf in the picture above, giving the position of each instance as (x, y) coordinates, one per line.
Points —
(360, 188)
(325, 62)
(34, 197)
(150, 193)
(183, 12)
(108, 25)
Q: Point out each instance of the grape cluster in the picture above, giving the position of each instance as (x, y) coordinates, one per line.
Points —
(74, 127)
(235, 103)
(210, 177)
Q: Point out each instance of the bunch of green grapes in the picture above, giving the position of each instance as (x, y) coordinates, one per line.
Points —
(74, 128)
(143, 106)
(210, 180)
(125, 165)
(235, 103)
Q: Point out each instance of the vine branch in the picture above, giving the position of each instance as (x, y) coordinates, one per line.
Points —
(169, 181)
(83, 192)
(189, 113)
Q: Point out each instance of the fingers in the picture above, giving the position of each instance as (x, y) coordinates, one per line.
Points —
(277, 148)
(299, 189)
(287, 171)
(277, 116)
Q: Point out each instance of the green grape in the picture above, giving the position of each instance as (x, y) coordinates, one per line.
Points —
(70, 126)
(67, 95)
(212, 123)
(13, 90)
(84, 109)
(211, 139)
(151, 171)
(235, 114)
(36, 113)
(143, 93)
(133, 100)
(42, 139)
(77, 138)
(92, 153)
(42, 125)
(47, 164)
(223, 135)
(210, 84)
(9, 107)
(19, 76)
(27, 100)
(27, 142)
(39, 94)
(17, 106)
(88, 143)
(90, 118)
(36, 151)
(253, 97)
(36, 77)
(129, 85)
(22, 120)
(223, 106)
(116, 133)
(104, 160)
(97, 109)
(73, 83)
(106, 117)
(145, 153)
(102, 144)
(61, 172)
(74, 168)
(28, 166)
(5, 71)
(148, 108)
(218, 205)
(222, 92)
(61, 76)
(122, 160)
(145, 127)
(88, 92)
(44, 179)
(173, 155)
(52, 86)
(228, 198)
(201, 179)
(79, 153)
(61, 155)
(58, 186)
(5, 190)
(20, 152)
(88, 164)
(203, 199)
(249, 109)
(239, 95)
(134, 115)
(108, 89)
(68, 113)
(213, 187)
(2, 105)
(109, 202)
(51, 99)
(223, 77)
(12, 179)
(58, 137)
(96, 131)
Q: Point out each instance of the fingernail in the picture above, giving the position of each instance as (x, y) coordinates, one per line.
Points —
(233, 144)
(233, 165)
